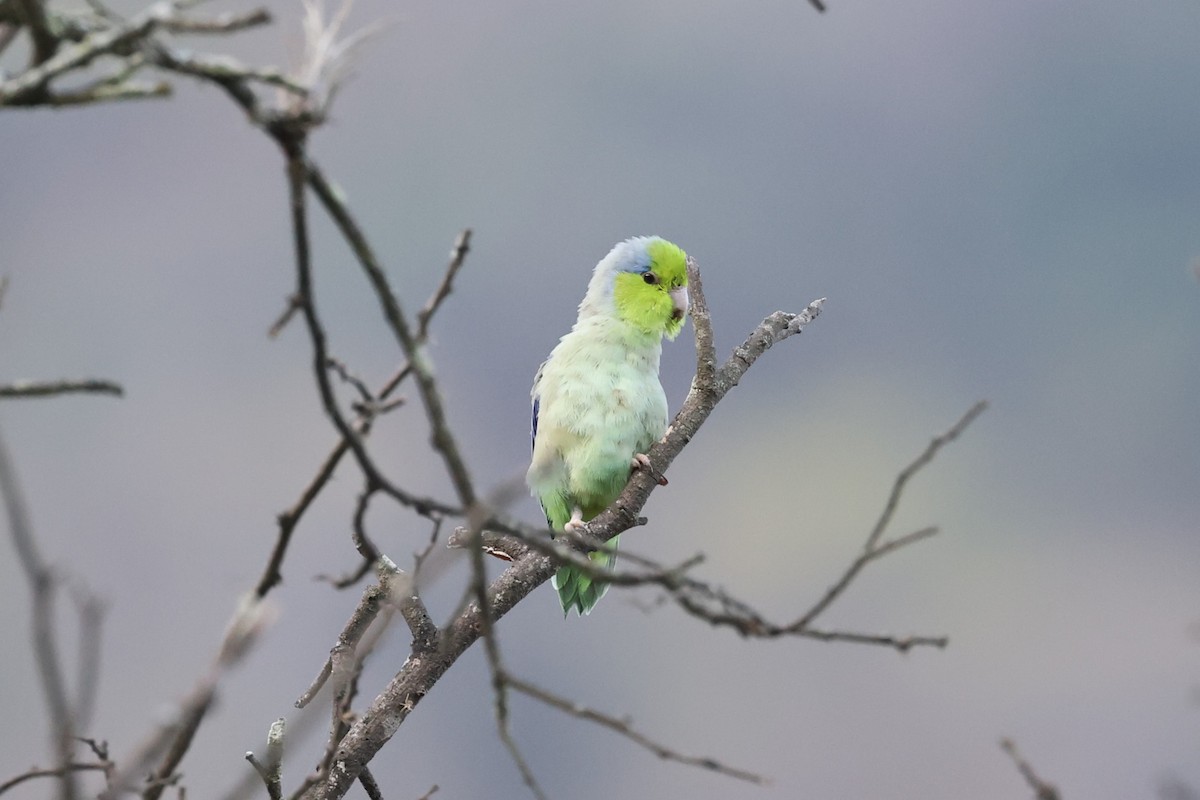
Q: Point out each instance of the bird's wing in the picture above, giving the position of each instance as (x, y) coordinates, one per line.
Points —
(537, 402)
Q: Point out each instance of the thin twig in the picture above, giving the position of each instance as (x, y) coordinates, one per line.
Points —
(478, 588)
(931, 450)
(25, 87)
(623, 727)
(369, 785)
(294, 302)
(1041, 789)
(289, 519)
(228, 22)
(106, 90)
(873, 549)
(414, 349)
(699, 599)
(42, 586)
(392, 706)
(297, 171)
(270, 770)
(172, 738)
(57, 772)
(222, 69)
(364, 614)
(51, 388)
(91, 623)
(349, 653)
(343, 372)
(8, 32)
(458, 254)
(34, 17)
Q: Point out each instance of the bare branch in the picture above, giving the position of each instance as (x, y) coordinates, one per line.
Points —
(413, 348)
(701, 600)
(42, 585)
(172, 738)
(874, 549)
(79, 39)
(369, 785)
(393, 705)
(228, 22)
(274, 790)
(33, 15)
(856, 566)
(1041, 789)
(294, 303)
(349, 377)
(901, 644)
(223, 69)
(297, 169)
(53, 388)
(348, 655)
(478, 589)
(270, 770)
(91, 623)
(425, 505)
(26, 87)
(105, 90)
(624, 728)
(936, 444)
(8, 32)
(706, 355)
(458, 254)
(289, 519)
(57, 772)
(366, 612)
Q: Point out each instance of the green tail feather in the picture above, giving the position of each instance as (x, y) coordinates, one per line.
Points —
(579, 591)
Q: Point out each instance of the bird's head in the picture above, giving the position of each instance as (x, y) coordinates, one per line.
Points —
(643, 281)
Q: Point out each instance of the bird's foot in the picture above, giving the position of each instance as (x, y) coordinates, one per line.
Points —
(575, 523)
(642, 461)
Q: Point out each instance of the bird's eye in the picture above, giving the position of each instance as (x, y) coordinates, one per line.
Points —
(650, 278)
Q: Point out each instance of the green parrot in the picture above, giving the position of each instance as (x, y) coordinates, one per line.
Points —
(597, 401)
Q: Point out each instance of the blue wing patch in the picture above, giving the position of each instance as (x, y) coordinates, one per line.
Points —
(537, 402)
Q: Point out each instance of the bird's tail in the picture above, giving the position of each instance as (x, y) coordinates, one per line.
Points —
(579, 591)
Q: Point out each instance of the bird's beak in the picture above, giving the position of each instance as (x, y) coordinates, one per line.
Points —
(679, 299)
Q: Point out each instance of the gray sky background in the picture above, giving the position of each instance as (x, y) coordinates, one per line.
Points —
(1001, 201)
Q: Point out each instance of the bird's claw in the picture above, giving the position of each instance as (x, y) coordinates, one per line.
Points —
(642, 461)
(575, 523)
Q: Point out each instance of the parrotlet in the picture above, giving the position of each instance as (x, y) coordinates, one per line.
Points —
(598, 404)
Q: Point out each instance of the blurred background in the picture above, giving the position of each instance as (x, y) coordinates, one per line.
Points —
(1000, 200)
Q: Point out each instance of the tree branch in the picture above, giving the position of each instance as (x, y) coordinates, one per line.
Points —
(1041, 789)
(413, 348)
(458, 254)
(624, 728)
(918, 463)
(391, 708)
(57, 772)
(27, 87)
(172, 738)
(42, 585)
(53, 388)
(289, 519)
